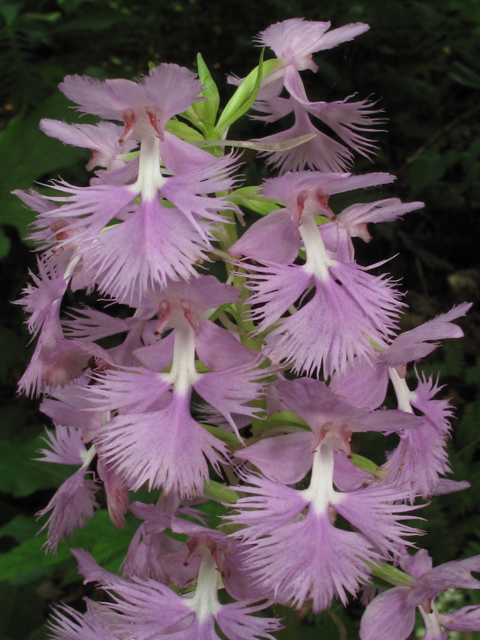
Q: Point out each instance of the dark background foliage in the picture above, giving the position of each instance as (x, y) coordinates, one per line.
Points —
(420, 61)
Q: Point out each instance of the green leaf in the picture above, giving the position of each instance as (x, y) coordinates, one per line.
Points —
(27, 155)
(214, 511)
(256, 145)
(22, 475)
(367, 465)
(183, 131)
(8, 599)
(281, 419)
(465, 76)
(245, 95)
(427, 170)
(333, 623)
(207, 109)
(390, 574)
(101, 24)
(40, 633)
(21, 528)
(53, 16)
(220, 493)
(222, 309)
(247, 197)
(200, 367)
(10, 11)
(24, 611)
(221, 434)
(319, 220)
(106, 543)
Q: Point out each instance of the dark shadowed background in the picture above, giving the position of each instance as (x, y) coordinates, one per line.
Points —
(420, 61)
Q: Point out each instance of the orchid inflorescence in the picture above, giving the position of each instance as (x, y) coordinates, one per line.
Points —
(284, 361)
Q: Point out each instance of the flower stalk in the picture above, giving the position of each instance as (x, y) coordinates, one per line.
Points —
(245, 394)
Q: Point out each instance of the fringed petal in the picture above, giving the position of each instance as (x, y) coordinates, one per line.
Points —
(164, 448)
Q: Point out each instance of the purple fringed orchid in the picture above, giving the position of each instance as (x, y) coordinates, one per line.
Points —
(292, 544)
(154, 439)
(55, 361)
(116, 492)
(352, 222)
(331, 418)
(144, 609)
(366, 385)
(130, 247)
(165, 407)
(74, 501)
(420, 458)
(392, 613)
(293, 42)
(64, 411)
(153, 553)
(349, 308)
(102, 139)
(151, 242)
(232, 563)
(67, 623)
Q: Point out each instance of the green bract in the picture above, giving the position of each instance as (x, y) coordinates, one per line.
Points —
(207, 109)
(245, 95)
(248, 197)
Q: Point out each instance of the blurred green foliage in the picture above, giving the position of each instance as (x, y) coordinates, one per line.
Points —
(419, 60)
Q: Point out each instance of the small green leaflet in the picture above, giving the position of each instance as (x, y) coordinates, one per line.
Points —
(245, 95)
(281, 419)
(247, 197)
